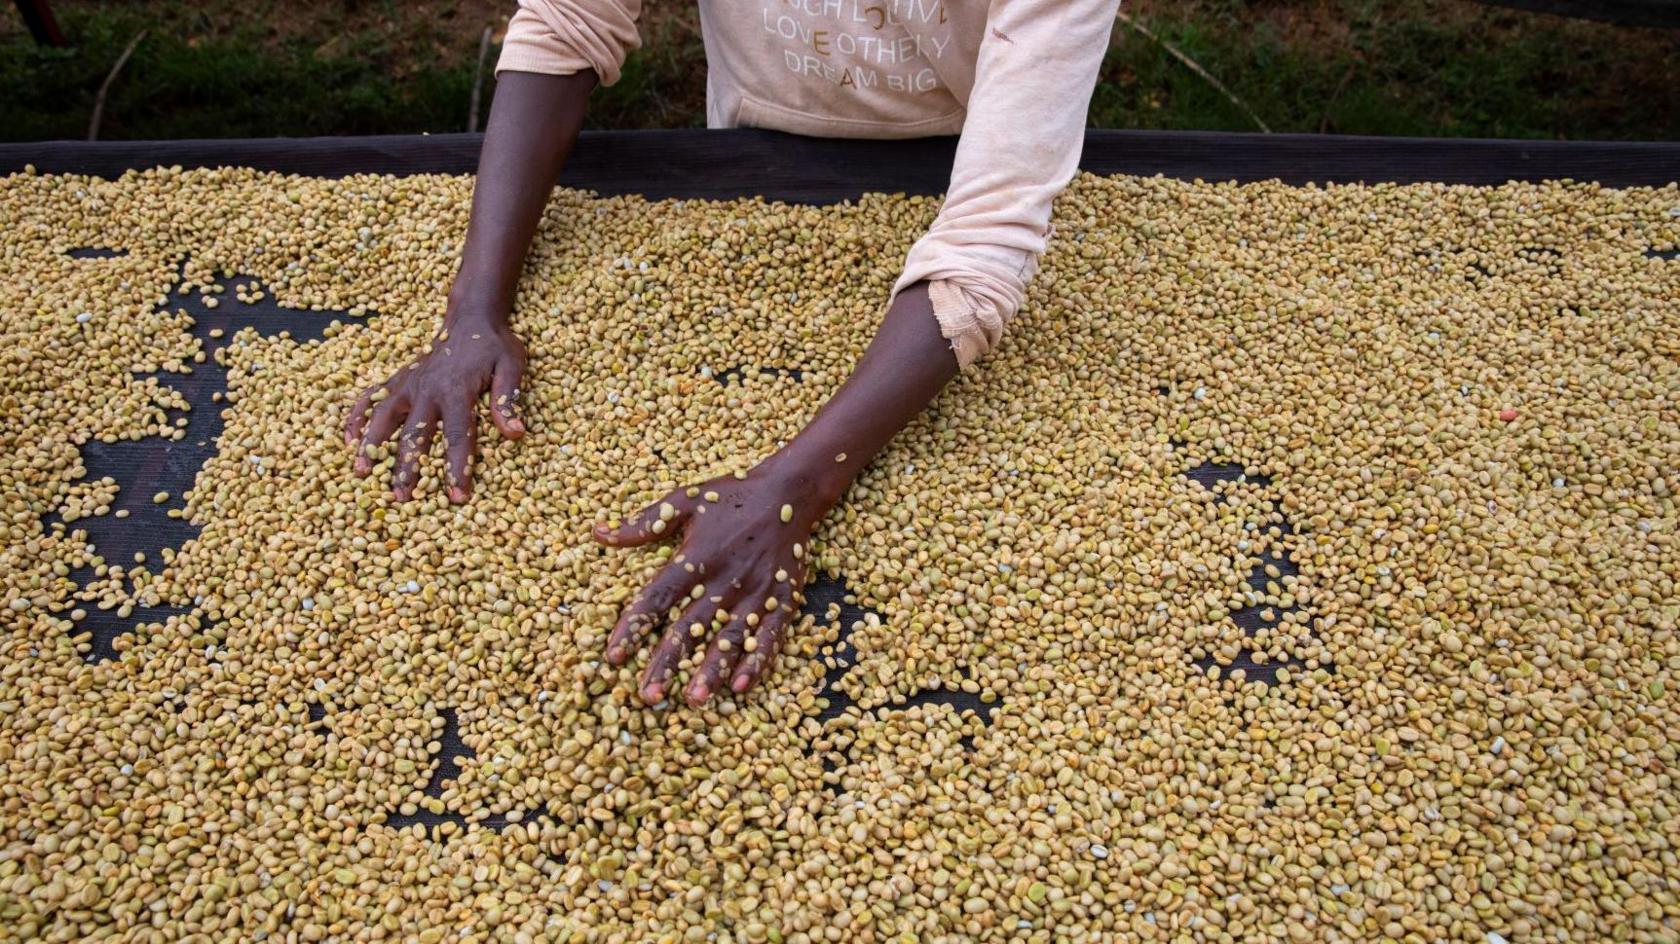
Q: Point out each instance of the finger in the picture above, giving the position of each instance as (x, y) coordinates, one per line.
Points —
(414, 444)
(679, 642)
(758, 652)
(357, 421)
(720, 660)
(656, 522)
(504, 397)
(461, 435)
(672, 585)
(383, 421)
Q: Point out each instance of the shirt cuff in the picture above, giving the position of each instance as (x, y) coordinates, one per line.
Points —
(968, 322)
(565, 37)
(533, 57)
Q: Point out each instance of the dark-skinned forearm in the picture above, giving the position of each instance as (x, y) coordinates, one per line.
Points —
(904, 368)
(739, 573)
(534, 122)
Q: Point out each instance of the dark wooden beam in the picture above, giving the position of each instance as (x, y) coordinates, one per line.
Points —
(728, 164)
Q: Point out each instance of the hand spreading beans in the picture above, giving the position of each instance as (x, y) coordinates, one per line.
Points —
(471, 355)
(736, 578)
(742, 565)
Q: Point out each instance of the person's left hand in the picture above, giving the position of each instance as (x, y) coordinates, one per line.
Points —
(738, 577)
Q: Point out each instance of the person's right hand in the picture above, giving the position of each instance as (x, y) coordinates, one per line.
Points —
(443, 385)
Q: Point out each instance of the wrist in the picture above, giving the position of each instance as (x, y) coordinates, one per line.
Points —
(480, 315)
(814, 480)
(474, 300)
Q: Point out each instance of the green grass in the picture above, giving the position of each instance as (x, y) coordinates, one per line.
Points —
(1386, 67)
(236, 86)
(1412, 70)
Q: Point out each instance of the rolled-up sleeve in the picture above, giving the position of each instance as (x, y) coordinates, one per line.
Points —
(1019, 148)
(564, 37)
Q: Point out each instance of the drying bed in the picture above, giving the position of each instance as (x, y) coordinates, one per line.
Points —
(1301, 566)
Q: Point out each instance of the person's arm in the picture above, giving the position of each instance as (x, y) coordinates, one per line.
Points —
(962, 281)
(534, 121)
(1039, 58)
(746, 541)
(554, 54)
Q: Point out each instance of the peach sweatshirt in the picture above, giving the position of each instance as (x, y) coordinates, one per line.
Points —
(1014, 77)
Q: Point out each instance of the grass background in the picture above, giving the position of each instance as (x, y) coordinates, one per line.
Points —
(1404, 67)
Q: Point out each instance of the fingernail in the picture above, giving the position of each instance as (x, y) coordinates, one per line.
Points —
(698, 693)
(364, 465)
(615, 654)
(515, 424)
(457, 494)
(741, 682)
(653, 694)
